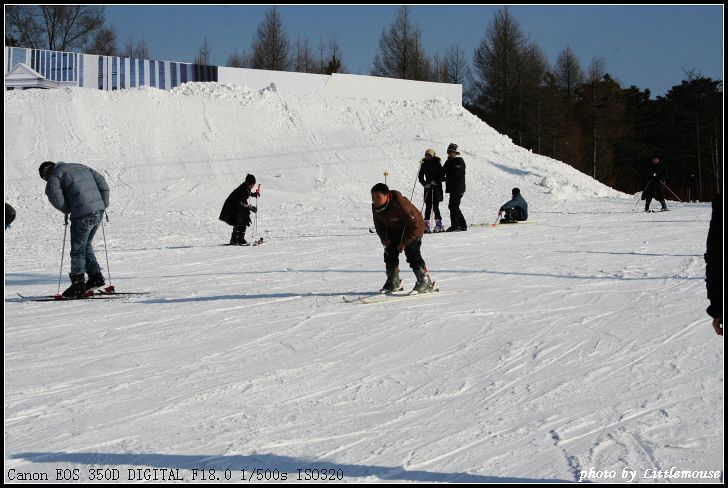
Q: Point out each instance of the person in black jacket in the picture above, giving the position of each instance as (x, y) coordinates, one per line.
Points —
(454, 169)
(236, 210)
(9, 214)
(430, 177)
(655, 175)
(714, 265)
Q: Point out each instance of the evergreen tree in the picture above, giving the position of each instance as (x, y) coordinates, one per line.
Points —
(271, 46)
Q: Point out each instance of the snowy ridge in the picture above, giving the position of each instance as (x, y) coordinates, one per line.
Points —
(579, 342)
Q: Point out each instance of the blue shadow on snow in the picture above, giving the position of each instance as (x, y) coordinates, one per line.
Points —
(284, 464)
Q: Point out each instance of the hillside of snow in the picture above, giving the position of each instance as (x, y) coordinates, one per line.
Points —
(576, 342)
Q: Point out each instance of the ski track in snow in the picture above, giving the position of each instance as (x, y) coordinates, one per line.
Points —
(579, 341)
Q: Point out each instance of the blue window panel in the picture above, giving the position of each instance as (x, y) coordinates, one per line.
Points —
(48, 72)
(161, 83)
(64, 66)
(122, 71)
(114, 73)
(101, 72)
(152, 74)
(132, 72)
(173, 75)
(141, 72)
(183, 73)
(72, 67)
(80, 69)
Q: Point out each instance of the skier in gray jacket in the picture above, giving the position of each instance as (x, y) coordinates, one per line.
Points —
(82, 193)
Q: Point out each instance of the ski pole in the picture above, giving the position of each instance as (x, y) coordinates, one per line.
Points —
(416, 177)
(63, 251)
(110, 288)
(496, 221)
(255, 225)
(673, 194)
(640, 196)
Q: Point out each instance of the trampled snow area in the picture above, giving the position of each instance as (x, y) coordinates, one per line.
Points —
(577, 342)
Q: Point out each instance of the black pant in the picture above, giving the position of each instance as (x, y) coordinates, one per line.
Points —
(412, 252)
(456, 216)
(512, 214)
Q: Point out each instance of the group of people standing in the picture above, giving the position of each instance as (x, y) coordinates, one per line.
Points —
(431, 176)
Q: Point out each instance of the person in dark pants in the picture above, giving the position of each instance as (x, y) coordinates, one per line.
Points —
(454, 169)
(400, 227)
(692, 188)
(9, 214)
(82, 193)
(655, 175)
(430, 177)
(514, 210)
(236, 210)
(714, 265)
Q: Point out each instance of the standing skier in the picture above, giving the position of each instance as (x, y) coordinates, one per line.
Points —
(400, 227)
(514, 210)
(430, 177)
(454, 169)
(655, 174)
(80, 191)
(236, 210)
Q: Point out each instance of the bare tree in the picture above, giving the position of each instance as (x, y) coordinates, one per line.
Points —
(270, 45)
(335, 64)
(401, 54)
(568, 72)
(204, 56)
(455, 65)
(54, 27)
(304, 61)
(239, 60)
(496, 61)
(103, 44)
(137, 50)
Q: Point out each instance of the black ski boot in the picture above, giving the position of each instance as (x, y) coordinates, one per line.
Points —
(78, 286)
(424, 282)
(95, 280)
(393, 282)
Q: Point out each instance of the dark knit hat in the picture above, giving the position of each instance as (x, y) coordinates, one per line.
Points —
(250, 179)
(380, 188)
(452, 147)
(45, 169)
(515, 192)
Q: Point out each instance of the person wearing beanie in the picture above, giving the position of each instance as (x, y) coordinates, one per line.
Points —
(454, 171)
(83, 194)
(430, 177)
(514, 210)
(236, 210)
(400, 227)
(655, 174)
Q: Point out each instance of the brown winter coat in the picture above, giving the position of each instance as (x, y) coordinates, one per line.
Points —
(397, 216)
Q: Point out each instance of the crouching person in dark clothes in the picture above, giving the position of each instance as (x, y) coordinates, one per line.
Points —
(236, 210)
(400, 227)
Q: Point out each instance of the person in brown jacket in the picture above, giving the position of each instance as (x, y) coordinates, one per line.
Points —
(400, 227)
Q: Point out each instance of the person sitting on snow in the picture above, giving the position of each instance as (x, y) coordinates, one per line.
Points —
(515, 210)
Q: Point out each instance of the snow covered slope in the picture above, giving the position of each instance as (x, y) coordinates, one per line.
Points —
(576, 342)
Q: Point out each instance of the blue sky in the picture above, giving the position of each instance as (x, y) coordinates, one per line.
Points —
(648, 46)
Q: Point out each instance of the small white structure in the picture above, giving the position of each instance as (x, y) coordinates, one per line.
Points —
(23, 77)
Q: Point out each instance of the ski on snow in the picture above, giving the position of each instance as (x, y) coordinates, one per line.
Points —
(391, 297)
(98, 295)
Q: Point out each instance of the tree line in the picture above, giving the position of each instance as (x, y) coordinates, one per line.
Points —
(583, 117)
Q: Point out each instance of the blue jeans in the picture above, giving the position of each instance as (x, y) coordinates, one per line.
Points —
(83, 230)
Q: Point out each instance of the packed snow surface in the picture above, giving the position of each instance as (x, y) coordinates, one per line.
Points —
(575, 346)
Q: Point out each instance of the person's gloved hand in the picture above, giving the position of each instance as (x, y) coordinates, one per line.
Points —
(253, 208)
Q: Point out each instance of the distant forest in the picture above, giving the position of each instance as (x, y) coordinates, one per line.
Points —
(579, 115)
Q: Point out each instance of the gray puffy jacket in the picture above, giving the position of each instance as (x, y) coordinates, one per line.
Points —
(77, 189)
